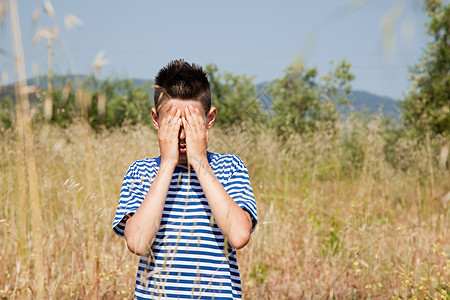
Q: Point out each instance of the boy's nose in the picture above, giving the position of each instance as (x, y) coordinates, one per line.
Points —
(182, 134)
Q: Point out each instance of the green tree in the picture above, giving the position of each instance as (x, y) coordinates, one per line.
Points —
(302, 102)
(121, 102)
(293, 95)
(235, 97)
(427, 105)
(65, 108)
(126, 102)
(336, 85)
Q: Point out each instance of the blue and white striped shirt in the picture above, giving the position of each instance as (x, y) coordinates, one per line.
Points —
(189, 258)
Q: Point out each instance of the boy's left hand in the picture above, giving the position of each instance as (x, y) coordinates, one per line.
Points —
(196, 136)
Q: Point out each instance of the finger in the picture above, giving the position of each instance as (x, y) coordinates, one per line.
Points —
(196, 124)
(173, 112)
(187, 128)
(176, 127)
(200, 122)
(169, 115)
(168, 124)
(169, 110)
(189, 117)
(176, 116)
(187, 125)
(173, 127)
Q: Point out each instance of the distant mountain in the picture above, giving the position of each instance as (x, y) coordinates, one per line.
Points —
(362, 100)
(375, 104)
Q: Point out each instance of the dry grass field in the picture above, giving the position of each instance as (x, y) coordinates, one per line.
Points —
(336, 219)
(371, 232)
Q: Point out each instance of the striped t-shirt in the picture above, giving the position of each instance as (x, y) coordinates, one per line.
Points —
(189, 258)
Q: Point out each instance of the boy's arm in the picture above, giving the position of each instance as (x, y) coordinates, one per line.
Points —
(234, 222)
(141, 228)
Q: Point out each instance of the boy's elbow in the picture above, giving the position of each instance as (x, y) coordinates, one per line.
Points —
(240, 240)
(135, 238)
(136, 246)
(242, 236)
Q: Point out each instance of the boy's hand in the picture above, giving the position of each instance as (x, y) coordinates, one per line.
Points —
(196, 136)
(169, 129)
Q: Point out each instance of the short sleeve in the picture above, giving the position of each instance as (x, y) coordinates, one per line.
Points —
(131, 196)
(239, 188)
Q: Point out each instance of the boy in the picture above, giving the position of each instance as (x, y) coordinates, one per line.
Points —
(187, 211)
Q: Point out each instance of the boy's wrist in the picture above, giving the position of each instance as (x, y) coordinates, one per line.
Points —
(168, 164)
(199, 164)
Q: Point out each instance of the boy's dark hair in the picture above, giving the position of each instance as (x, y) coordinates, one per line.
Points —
(184, 81)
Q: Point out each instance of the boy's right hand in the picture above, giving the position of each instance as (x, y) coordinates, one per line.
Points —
(168, 132)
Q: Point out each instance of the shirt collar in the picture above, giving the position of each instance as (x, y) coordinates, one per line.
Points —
(208, 155)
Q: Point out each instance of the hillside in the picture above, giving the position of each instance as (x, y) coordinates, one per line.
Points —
(362, 100)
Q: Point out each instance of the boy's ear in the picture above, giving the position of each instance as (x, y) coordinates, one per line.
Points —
(155, 118)
(211, 117)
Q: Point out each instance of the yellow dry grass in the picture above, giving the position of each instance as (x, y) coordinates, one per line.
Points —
(377, 233)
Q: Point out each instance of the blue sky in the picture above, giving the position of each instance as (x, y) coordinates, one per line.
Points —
(258, 38)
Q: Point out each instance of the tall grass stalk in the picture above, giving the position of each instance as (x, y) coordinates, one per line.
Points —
(90, 205)
(430, 163)
(25, 120)
(21, 215)
(48, 102)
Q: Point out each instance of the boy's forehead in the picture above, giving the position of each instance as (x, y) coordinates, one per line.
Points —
(180, 104)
